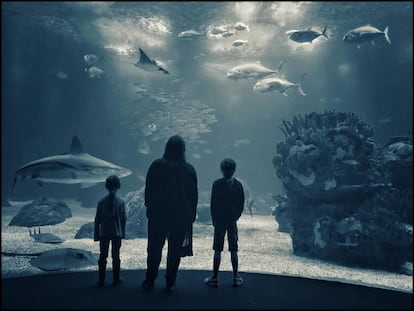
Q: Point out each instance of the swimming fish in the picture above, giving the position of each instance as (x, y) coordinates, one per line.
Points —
(90, 59)
(239, 42)
(227, 34)
(148, 64)
(219, 30)
(307, 35)
(240, 26)
(366, 33)
(60, 75)
(190, 34)
(252, 70)
(73, 167)
(94, 72)
(277, 83)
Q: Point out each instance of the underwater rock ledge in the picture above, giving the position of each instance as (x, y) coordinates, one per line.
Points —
(347, 199)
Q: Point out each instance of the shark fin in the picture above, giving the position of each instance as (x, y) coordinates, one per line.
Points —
(14, 184)
(324, 32)
(87, 185)
(76, 146)
(279, 67)
(300, 85)
(143, 58)
(309, 28)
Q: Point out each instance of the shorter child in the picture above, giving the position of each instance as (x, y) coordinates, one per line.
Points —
(110, 222)
(227, 203)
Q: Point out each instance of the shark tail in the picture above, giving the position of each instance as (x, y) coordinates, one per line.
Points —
(279, 67)
(324, 32)
(300, 85)
(14, 184)
(386, 35)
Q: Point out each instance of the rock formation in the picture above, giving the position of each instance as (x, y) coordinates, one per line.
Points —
(86, 231)
(136, 225)
(346, 199)
(42, 212)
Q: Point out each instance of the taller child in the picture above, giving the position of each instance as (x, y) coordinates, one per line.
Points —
(227, 204)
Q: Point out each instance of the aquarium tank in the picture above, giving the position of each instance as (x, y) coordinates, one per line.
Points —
(312, 100)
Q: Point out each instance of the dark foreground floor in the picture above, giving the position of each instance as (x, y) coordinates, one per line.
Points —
(260, 291)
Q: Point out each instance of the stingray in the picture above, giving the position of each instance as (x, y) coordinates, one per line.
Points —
(45, 237)
(149, 64)
(64, 258)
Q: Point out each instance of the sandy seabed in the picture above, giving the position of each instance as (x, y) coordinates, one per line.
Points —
(262, 249)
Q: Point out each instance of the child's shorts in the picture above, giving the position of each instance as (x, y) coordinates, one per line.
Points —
(232, 236)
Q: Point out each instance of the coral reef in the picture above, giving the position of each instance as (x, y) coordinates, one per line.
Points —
(346, 199)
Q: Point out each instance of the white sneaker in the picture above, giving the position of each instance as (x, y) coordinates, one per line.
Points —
(211, 281)
(237, 281)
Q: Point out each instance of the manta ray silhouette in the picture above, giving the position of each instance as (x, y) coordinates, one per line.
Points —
(149, 64)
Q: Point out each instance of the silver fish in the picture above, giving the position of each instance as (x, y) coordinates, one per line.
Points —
(252, 70)
(94, 72)
(307, 35)
(366, 33)
(190, 34)
(60, 75)
(239, 42)
(277, 83)
(240, 26)
(90, 59)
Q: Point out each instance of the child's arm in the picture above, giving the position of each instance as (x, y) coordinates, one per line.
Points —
(213, 203)
(123, 220)
(97, 222)
(240, 202)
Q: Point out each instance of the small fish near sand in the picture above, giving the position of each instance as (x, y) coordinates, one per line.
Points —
(306, 35)
(364, 34)
(279, 84)
(148, 64)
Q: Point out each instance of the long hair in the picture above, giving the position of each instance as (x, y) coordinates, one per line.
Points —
(174, 150)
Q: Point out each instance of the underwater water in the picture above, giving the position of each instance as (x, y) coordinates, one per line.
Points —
(125, 114)
(69, 68)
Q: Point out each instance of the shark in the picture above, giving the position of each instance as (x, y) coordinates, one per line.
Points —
(149, 64)
(73, 167)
